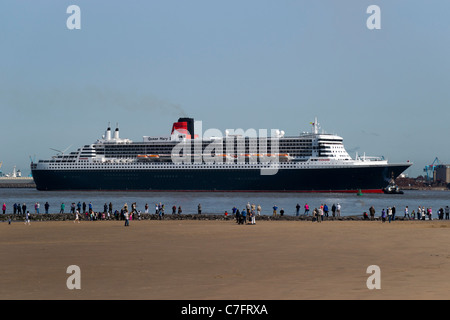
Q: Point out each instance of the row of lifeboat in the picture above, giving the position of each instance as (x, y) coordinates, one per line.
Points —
(282, 157)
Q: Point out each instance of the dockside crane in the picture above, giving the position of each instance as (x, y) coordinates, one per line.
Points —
(431, 167)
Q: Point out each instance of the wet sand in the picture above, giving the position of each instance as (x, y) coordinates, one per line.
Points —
(196, 260)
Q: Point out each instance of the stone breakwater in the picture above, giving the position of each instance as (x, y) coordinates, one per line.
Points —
(148, 216)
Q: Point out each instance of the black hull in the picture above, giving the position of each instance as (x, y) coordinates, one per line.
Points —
(364, 178)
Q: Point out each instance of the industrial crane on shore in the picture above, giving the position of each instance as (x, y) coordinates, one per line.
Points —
(431, 167)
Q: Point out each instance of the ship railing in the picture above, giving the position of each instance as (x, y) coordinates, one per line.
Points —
(370, 158)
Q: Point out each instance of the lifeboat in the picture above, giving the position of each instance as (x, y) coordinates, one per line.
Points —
(147, 157)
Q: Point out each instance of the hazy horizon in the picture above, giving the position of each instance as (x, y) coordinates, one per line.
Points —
(231, 64)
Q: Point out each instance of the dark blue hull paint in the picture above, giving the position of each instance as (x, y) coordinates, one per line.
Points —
(292, 180)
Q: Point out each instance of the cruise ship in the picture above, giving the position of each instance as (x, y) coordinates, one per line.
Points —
(247, 161)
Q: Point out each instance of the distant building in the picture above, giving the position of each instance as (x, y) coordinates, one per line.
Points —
(442, 173)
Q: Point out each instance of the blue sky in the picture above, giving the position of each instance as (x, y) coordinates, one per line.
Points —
(232, 64)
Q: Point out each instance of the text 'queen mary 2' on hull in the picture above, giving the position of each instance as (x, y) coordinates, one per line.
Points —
(310, 162)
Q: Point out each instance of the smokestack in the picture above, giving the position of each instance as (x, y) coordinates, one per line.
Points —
(190, 125)
(116, 134)
(108, 133)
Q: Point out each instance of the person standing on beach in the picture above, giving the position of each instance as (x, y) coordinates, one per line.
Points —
(383, 215)
(146, 208)
(325, 210)
(179, 210)
(315, 214)
(338, 210)
(62, 208)
(84, 207)
(393, 213)
(306, 209)
(275, 208)
(24, 208)
(27, 218)
(238, 216)
(258, 210)
(333, 210)
(389, 213)
(4, 208)
(46, 207)
(199, 209)
(297, 209)
(372, 213)
(174, 209)
(127, 218)
(244, 216)
(447, 211)
(253, 218)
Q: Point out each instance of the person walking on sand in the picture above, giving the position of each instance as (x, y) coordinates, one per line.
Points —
(77, 217)
(389, 213)
(27, 218)
(406, 213)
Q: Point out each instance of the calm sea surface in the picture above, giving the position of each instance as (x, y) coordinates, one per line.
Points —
(218, 202)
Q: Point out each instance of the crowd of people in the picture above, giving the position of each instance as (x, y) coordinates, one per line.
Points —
(247, 215)
(390, 213)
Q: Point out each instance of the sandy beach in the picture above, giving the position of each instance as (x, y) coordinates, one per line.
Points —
(187, 260)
